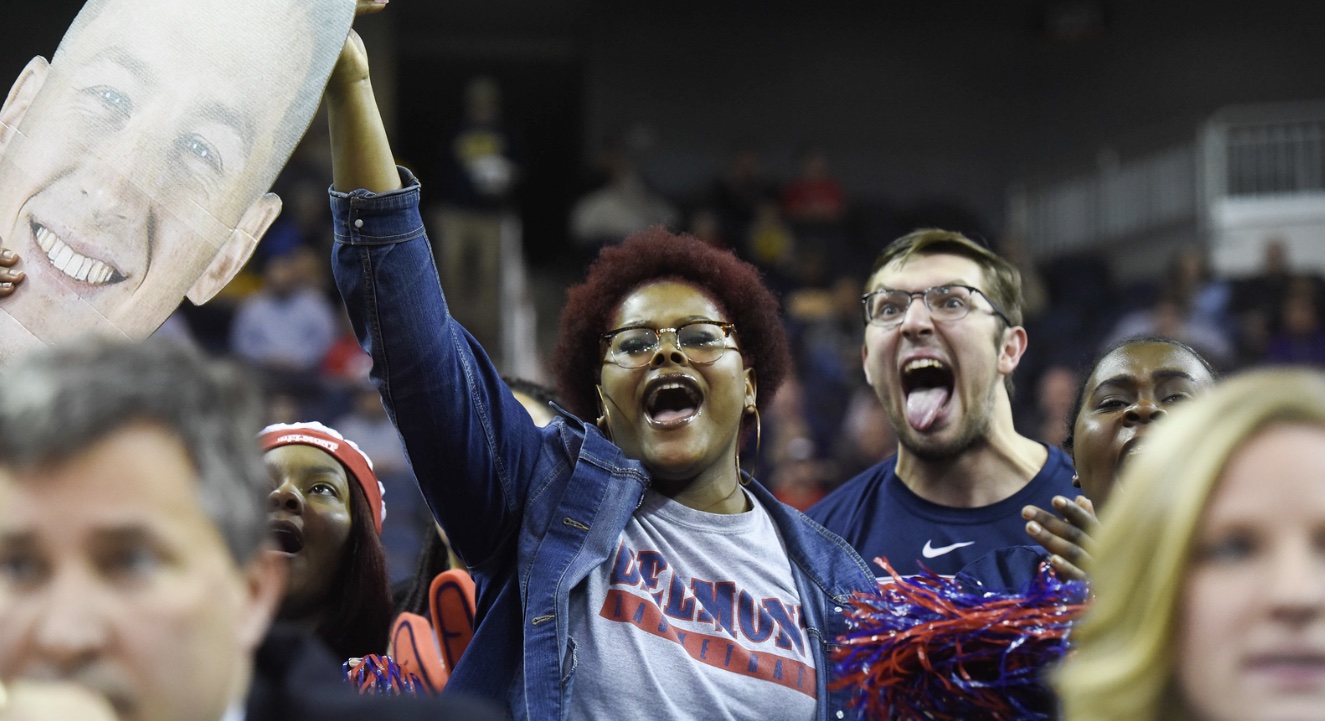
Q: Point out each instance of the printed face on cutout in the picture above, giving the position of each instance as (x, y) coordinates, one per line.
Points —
(309, 511)
(1129, 389)
(676, 417)
(938, 381)
(1250, 640)
(113, 577)
(135, 164)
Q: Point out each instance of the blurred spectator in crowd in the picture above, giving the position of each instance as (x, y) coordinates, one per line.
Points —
(770, 243)
(346, 365)
(1034, 290)
(303, 219)
(282, 407)
(1300, 338)
(480, 174)
(740, 189)
(706, 224)
(814, 197)
(1263, 292)
(623, 206)
(1189, 277)
(795, 472)
(1258, 301)
(367, 423)
(480, 158)
(867, 437)
(1170, 317)
(1054, 394)
(826, 335)
(288, 326)
(799, 481)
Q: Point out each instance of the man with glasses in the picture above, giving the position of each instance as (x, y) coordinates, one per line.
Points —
(942, 337)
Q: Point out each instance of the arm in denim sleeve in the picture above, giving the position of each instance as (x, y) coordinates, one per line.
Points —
(472, 446)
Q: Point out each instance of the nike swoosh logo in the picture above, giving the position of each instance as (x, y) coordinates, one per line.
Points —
(931, 552)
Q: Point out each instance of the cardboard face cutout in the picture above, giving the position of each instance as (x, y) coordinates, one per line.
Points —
(134, 166)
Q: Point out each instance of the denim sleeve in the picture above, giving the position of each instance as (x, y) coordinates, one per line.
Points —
(472, 446)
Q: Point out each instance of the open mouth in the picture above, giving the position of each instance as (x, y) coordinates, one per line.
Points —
(671, 401)
(289, 537)
(72, 263)
(1129, 450)
(927, 384)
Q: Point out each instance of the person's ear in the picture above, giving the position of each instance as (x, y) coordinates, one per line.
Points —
(751, 388)
(20, 98)
(1011, 350)
(237, 248)
(265, 577)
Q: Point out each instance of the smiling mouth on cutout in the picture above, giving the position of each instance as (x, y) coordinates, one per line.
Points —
(672, 401)
(72, 263)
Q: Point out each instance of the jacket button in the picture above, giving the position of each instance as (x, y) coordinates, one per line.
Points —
(841, 714)
(358, 223)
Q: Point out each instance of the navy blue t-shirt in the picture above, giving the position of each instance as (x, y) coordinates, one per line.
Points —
(877, 514)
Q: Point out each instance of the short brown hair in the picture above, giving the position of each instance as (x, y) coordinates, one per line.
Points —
(1002, 279)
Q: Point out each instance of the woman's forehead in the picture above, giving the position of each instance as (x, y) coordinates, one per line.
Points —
(301, 458)
(1141, 361)
(666, 303)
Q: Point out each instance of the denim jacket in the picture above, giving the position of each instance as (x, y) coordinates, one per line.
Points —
(532, 511)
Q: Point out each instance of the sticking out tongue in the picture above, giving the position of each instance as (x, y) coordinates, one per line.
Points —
(923, 405)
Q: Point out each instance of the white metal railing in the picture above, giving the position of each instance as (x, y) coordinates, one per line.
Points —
(1240, 152)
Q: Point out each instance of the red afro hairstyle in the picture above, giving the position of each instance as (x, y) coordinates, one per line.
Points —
(654, 255)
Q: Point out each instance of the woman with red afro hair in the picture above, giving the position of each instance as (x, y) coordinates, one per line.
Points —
(655, 256)
(624, 565)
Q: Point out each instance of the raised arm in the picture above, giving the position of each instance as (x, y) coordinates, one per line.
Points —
(471, 445)
(360, 152)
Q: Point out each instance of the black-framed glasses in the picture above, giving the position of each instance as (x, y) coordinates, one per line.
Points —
(886, 308)
(702, 341)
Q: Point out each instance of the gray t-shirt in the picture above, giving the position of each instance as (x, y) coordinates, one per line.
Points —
(696, 616)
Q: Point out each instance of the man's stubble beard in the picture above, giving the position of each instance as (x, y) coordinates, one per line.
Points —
(973, 434)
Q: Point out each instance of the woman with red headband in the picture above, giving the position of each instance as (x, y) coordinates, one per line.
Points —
(326, 515)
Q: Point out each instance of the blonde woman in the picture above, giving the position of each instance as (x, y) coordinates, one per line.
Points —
(1210, 569)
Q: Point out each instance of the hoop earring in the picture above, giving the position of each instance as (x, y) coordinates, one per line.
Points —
(758, 442)
(604, 420)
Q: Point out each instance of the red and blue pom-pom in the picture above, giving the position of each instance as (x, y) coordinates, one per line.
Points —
(380, 675)
(929, 648)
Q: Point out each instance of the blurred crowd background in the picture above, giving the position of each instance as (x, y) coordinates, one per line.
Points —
(1152, 167)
